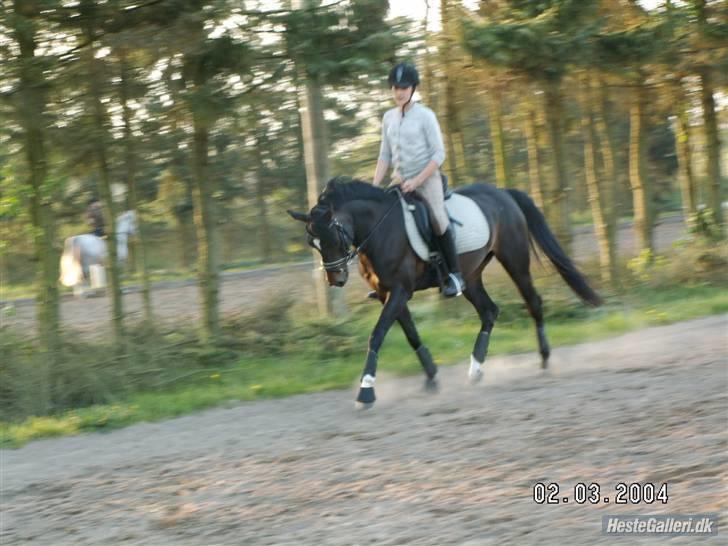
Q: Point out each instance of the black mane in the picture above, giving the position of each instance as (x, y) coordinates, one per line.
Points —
(342, 189)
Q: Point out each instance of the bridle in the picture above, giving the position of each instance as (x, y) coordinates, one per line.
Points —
(346, 241)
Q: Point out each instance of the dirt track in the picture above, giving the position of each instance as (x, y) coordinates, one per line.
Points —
(457, 467)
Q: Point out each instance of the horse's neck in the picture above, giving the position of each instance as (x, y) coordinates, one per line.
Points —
(371, 225)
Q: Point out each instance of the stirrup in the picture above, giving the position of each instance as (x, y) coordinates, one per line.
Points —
(454, 280)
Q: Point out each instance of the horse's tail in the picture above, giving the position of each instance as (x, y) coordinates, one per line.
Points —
(545, 238)
(71, 270)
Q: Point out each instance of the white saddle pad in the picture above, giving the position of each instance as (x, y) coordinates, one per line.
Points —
(471, 229)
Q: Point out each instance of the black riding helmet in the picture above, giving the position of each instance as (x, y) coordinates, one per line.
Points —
(404, 75)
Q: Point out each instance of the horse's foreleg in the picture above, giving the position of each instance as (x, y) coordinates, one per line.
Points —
(488, 312)
(410, 331)
(396, 301)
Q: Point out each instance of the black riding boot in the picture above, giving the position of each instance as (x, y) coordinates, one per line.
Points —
(454, 284)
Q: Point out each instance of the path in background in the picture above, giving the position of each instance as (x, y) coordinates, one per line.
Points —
(179, 300)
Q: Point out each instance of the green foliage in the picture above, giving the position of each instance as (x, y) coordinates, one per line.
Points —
(539, 39)
(629, 49)
(695, 260)
(339, 45)
(704, 226)
(89, 391)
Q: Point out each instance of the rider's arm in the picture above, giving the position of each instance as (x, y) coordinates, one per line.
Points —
(430, 168)
(380, 171)
(385, 156)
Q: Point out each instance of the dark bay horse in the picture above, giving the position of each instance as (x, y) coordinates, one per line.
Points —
(354, 214)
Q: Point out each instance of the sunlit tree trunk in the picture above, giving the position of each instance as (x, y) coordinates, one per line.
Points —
(264, 237)
(620, 193)
(207, 245)
(330, 300)
(713, 148)
(427, 87)
(637, 174)
(710, 124)
(605, 240)
(606, 148)
(30, 113)
(495, 121)
(557, 197)
(450, 124)
(315, 150)
(684, 156)
(531, 130)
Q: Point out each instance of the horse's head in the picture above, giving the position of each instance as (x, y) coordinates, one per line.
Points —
(332, 235)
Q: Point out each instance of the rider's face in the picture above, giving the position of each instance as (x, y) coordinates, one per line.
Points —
(401, 95)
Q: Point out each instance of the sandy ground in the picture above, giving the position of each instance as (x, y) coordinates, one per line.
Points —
(179, 302)
(456, 467)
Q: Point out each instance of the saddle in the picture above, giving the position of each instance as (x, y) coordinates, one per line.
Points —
(421, 213)
(469, 224)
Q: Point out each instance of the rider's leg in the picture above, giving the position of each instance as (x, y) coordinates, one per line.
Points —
(455, 283)
(431, 191)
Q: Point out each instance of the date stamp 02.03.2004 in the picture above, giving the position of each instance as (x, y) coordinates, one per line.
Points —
(595, 493)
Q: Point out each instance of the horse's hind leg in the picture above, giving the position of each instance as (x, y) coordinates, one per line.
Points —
(488, 312)
(410, 331)
(517, 265)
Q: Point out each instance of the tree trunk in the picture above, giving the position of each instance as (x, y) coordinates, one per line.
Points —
(451, 126)
(427, 87)
(315, 150)
(495, 120)
(130, 167)
(610, 179)
(207, 263)
(605, 241)
(684, 157)
(30, 109)
(557, 199)
(712, 141)
(710, 124)
(621, 193)
(99, 144)
(535, 176)
(637, 174)
(260, 194)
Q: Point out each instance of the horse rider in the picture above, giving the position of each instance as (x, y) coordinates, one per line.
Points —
(95, 217)
(412, 144)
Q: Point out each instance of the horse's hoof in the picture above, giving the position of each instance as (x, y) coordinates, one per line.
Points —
(362, 406)
(544, 363)
(432, 385)
(475, 377)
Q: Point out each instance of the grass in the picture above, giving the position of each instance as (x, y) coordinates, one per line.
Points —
(279, 352)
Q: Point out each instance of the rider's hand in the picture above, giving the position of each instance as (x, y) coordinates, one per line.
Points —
(409, 185)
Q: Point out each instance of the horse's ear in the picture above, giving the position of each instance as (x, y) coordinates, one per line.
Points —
(300, 216)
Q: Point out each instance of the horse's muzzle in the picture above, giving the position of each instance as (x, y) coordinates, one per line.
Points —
(337, 278)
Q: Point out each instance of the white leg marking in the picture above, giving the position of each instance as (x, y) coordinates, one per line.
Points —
(475, 373)
(367, 381)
